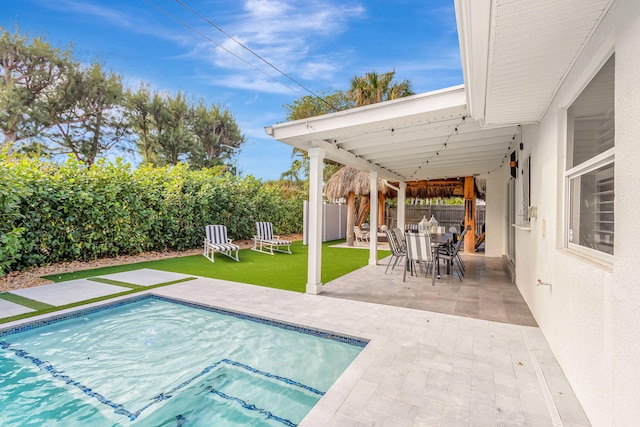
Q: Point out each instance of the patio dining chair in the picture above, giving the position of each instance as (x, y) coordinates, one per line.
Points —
(451, 254)
(419, 252)
(400, 238)
(217, 241)
(266, 242)
(398, 249)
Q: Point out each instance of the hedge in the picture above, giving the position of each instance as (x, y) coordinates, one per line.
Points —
(53, 213)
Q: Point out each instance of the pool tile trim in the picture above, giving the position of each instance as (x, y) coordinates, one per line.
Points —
(358, 342)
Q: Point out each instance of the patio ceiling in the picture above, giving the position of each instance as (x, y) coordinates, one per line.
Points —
(515, 55)
(420, 137)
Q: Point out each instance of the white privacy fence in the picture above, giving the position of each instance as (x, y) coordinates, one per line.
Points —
(334, 222)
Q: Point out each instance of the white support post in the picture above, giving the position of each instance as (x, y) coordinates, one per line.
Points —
(314, 284)
(402, 202)
(373, 219)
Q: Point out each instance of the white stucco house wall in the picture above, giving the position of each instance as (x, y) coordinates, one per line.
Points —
(555, 83)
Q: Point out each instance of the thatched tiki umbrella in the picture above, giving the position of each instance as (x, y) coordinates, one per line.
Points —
(349, 183)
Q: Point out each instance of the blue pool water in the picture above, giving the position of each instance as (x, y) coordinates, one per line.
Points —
(151, 361)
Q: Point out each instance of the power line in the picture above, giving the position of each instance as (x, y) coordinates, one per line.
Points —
(211, 23)
(167, 14)
(217, 27)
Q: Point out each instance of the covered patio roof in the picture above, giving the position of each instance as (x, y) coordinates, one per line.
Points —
(419, 137)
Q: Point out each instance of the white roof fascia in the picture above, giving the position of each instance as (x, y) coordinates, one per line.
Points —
(414, 106)
(474, 19)
(320, 131)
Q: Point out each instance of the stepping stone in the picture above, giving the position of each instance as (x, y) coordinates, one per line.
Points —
(8, 309)
(68, 292)
(145, 277)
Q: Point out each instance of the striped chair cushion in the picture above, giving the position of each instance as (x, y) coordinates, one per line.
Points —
(418, 247)
(265, 232)
(217, 235)
(224, 247)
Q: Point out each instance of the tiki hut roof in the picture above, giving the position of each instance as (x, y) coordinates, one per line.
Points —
(348, 180)
(442, 188)
(436, 188)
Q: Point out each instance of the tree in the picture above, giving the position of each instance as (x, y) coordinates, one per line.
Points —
(365, 90)
(173, 137)
(217, 136)
(310, 106)
(30, 71)
(140, 119)
(377, 87)
(90, 121)
(161, 124)
(169, 129)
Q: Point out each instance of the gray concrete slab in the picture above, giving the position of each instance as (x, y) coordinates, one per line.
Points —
(8, 309)
(145, 277)
(68, 292)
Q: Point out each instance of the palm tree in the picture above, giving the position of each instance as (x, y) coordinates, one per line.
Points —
(365, 90)
(374, 87)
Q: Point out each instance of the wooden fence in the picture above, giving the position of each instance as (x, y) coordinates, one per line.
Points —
(447, 215)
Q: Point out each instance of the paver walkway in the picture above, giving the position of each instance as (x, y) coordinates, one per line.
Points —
(9, 309)
(68, 292)
(72, 291)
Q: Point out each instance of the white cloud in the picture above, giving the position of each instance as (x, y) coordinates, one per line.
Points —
(284, 34)
(318, 69)
(87, 8)
(288, 34)
(258, 84)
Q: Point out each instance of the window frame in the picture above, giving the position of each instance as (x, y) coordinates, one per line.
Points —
(598, 161)
(604, 159)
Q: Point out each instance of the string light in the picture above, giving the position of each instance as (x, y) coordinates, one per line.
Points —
(442, 147)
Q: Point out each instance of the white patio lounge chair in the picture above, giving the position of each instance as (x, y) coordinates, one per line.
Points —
(264, 241)
(361, 236)
(217, 241)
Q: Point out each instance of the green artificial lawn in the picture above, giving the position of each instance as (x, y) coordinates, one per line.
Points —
(281, 271)
(27, 302)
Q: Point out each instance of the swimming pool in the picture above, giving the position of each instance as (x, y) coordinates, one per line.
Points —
(154, 361)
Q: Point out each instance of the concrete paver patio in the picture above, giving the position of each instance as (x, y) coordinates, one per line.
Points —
(145, 277)
(484, 293)
(68, 292)
(421, 367)
(9, 309)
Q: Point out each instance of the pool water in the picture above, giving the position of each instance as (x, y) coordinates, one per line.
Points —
(151, 361)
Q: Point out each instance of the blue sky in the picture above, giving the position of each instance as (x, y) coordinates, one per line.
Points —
(321, 44)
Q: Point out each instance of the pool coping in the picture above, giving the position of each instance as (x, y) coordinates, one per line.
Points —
(418, 367)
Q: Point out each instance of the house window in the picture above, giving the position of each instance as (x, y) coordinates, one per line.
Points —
(590, 166)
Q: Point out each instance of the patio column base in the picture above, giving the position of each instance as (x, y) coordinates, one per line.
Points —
(314, 289)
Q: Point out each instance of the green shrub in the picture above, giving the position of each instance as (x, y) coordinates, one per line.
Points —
(53, 213)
